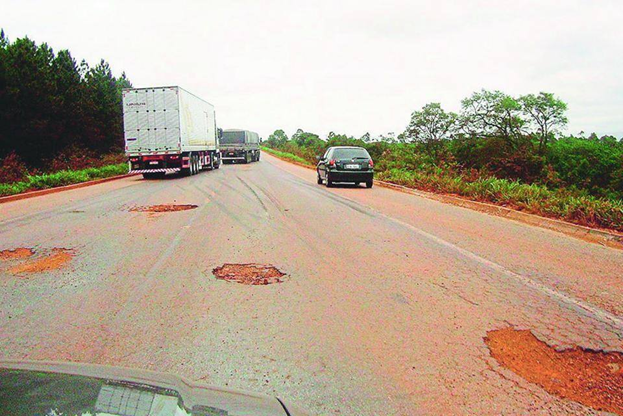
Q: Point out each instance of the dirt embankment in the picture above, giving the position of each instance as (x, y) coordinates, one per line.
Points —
(592, 378)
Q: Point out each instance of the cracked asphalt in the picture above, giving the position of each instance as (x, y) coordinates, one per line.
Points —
(387, 301)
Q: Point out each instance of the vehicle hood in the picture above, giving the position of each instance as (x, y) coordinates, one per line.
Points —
(27, 386)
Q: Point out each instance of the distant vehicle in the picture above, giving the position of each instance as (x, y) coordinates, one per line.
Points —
(45, 388)
(345, 164)
(168, 129)
(240, 146)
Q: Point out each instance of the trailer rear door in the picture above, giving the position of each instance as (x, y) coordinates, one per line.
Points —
(151, 120)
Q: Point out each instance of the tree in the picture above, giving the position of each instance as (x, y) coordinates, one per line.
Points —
(305, 139)
(430, 126)
(391, 137)
(548, 114)
(50, 105)
(277, 139)
(493, 113)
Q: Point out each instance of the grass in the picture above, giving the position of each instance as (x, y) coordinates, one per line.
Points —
(536, 199)
(285, 155)
(62, 178)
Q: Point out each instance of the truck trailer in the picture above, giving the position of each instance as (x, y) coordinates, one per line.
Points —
(168, 129)
(240, 146)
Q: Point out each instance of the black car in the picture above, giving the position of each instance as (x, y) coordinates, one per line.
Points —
(345, 164)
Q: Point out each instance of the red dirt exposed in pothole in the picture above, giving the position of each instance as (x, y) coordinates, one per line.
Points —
(163, 208)
(16, 254)
(56, 259)
(249, 274)
(592, 378)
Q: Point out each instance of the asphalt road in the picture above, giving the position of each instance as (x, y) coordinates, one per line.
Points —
(385, 307)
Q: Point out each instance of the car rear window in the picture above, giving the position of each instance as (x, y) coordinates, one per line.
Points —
(350, 153)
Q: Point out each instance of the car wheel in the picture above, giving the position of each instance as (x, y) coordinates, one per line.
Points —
(319, 180)
(329, 181)
(369, 183)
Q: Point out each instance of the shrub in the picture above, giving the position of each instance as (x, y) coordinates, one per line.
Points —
(592, 164)
(62, 178)
(12, 169)
(537, 199)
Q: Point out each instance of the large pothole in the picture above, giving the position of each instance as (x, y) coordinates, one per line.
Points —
(249, 274)
(592, 378)
(52, 260)
(163, 208)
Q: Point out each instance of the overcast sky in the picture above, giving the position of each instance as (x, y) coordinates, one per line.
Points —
(346, 66)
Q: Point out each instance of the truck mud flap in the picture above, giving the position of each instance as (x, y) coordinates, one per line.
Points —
(169, 170)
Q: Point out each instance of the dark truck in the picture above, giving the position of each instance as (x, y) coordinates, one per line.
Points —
(240, 146)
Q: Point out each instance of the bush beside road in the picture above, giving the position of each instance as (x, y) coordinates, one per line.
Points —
(62, 178)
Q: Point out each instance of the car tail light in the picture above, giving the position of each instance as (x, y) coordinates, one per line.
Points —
(134, 159)
(174, 157)
(332, 162)
(370, 163)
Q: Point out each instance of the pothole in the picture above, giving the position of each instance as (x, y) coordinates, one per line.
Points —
(16, 254)
(249, 274)
(55, 259)
(163, 208)
(592, 378)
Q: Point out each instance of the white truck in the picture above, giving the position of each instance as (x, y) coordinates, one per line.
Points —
(240, 146)
(168, 129)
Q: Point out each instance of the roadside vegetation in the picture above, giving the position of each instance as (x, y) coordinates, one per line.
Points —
(61, 178)
(498, 149)
(60, 120)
